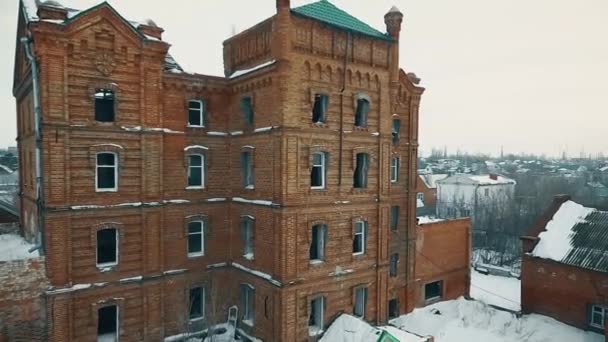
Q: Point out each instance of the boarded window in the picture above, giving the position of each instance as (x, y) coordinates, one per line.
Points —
(197, 303)
(394, 217)
(319, 110)
(104, 105)
(196, 171)
(433, 290)
(247, 169)
(106, 172)
(107, 247)
(196, 113)
(361, 170)
(396, 130)
(247, 110)
(360, 238)
(247, 237)
(318, 171)
(393, 264)
(107, 324)
(360, 302)
(318, 242)
(361, 113)
(247, 304)
(196, 238)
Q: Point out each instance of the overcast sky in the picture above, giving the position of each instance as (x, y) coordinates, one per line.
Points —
(529, 75)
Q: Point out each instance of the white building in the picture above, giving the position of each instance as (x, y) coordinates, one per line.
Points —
(474, 196)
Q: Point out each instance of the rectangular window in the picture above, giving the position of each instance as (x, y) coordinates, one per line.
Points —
(107, 247)
(393, 308)
(316, 319)
(361, 170)
(360, 302)
(247, 304)
(196, 111)
(420, 196)
(319, 110)
(106, 172)
(196, 239)
(361, 113)
(396, 130)
(433, 290)
(318, 170)
(394, 170)
(104, 105)
(394, 217)
(359, 240)
(598, 316)
(247, 237)
(196, 171)
(393, 264)
(247, 110)
(318, 242)
(247, 169)
(197, 303)
(107, 324)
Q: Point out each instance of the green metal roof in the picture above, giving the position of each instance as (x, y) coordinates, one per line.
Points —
(326, 12)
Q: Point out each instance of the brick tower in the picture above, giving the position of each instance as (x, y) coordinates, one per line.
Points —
(161, 198)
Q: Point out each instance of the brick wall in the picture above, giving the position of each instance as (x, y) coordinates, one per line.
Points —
(443, 254)
(22, 302)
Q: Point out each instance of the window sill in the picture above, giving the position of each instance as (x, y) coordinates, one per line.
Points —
(358, 254)
(106, 190)
(195, 255)
(195, 127)
(247, 322)
(250, 187)
(314, 331)
(197, 319)
(249, 256)
(195, 188)
(104, 268)
(316, 262)
(317, 188)
(432, 300)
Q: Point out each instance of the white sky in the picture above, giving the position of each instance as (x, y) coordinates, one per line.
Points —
(526, 74)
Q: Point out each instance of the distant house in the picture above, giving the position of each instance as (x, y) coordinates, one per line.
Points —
(564, 271)
(426, 193)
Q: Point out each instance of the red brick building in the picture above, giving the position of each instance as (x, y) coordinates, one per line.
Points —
(161, 198)
(564, 271)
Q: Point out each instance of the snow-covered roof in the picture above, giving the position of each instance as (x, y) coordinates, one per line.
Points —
(430, 180)
(428, 219)
(604, 169)
(576, 236)
(353, 329)
(14, 247)
(478, 180)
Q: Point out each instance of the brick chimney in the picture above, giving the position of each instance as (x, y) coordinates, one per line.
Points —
(283, 5)
(493, 176)
(149, 28)
(393, 20)
(52, 10)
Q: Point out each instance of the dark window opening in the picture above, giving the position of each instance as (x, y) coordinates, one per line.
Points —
(247, 237)
(361, 170)
(396, 131)
(393, 264)
(195, 113)
(247, 304)
(247, 110)
(393, 308)
(106, 171)
(318, 241)
(106, 247)
(319, 110)
(361, 113)
(196, 167)
(318, 171)
(360, 302)
(197, 303)
(107, 324)
(196, 239)
(394, 217)
(360, 238)
(247, 169)
(432, 290)
(266, 306)
(104, 105)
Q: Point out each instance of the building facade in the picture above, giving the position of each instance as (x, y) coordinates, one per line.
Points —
(161, 198)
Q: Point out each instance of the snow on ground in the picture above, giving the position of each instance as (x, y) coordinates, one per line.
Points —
(500, 291)
(14, 247)
(555, 241)
(464, 320)
(347, 328)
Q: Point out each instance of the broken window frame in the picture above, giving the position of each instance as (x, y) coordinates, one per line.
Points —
(396, 130)
(200, 313)
(320, 167)
(196, 228)
(192, 168)
(105, 100)
(113, 166)
(361, 230)
(318, 243)
(198, 109)
(100, 324)
(361, 174)
(99, 245)
(319, 108)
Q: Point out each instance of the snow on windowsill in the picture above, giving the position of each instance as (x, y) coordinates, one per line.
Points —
(192, 187)
(14, 247)
(218, 199)
(236, 133)
(176, 201)
(131, 279)
(222, 134)
(247, 322)
(314, 331)
(258, 202)
(249, 256)
(240, 73)
(316, 262)
(250, 187)
(70, 289)
(265, 129)
(262, 275)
